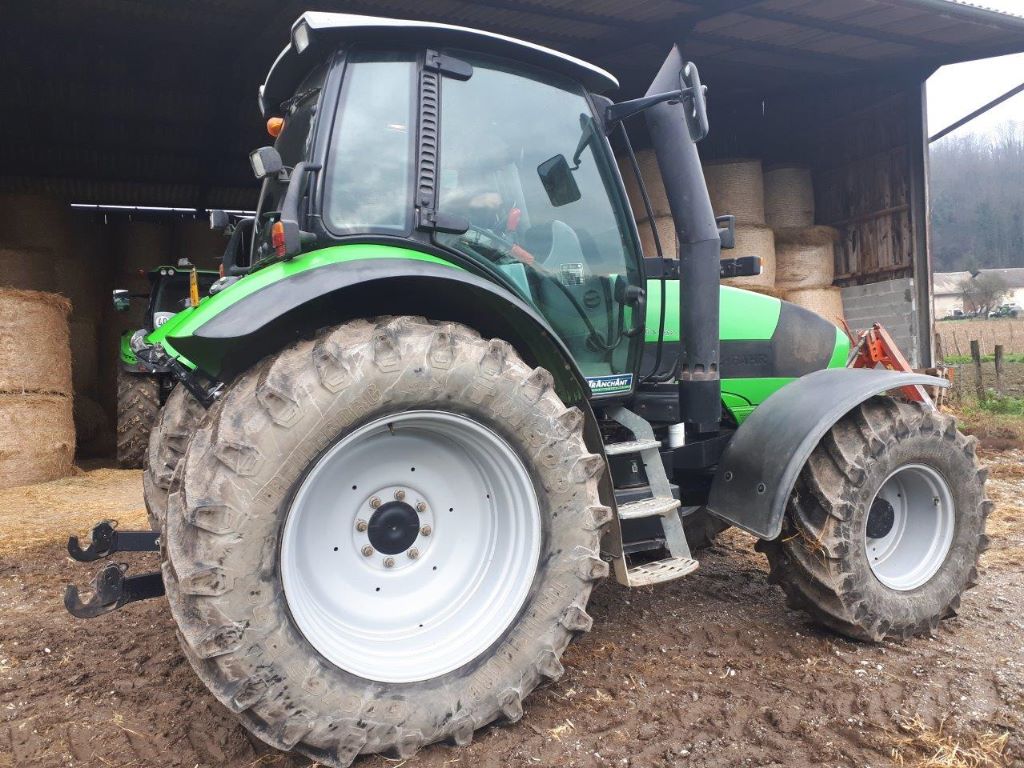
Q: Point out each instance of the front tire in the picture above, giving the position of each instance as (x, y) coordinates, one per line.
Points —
(885, 526)
(138, 403)
(177, 422)
(286, 606)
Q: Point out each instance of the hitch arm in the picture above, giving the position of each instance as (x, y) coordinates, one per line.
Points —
(111, 589)
(106, 540)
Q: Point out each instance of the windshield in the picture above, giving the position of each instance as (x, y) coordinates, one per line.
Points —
(523, 163)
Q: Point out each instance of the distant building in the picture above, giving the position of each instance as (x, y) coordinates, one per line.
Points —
(948, 296)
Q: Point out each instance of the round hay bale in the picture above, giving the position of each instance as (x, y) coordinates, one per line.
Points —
(736, 187)
(804, 258)
(651, 173)
(827, 302)
(788, 197)
(35, 354)
(666, 233)
(28, 269)
(754, 240)
(37, 439)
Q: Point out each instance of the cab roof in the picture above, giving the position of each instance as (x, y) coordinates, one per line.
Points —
(319, 32)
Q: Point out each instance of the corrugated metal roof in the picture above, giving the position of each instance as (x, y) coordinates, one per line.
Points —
(150, 98)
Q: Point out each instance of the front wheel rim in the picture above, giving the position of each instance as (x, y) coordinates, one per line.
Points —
(410, 546)
(909, 529)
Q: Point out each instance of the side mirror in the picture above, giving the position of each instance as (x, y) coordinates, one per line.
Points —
(219, 220)
(693, 96)
(556, 176)
(122, 300)
(265, 161)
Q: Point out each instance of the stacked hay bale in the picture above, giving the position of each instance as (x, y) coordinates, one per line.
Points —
(37, 432)
(805, 261)
(659, 205)
(737, 187)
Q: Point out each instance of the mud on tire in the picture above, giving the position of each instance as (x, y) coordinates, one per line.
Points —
(821, 559)
(231, 496)
(178, 420)
(138, 403)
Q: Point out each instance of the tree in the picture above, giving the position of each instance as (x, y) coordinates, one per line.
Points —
(983, 292)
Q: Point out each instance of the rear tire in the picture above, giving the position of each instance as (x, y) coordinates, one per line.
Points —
(138, 403)
(884, 528)
(241, 493)
(178, 421)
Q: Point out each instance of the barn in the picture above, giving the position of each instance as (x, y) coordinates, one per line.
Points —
(128, 122)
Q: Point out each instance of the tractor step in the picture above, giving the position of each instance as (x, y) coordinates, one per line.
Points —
(661, 570)
(633, 446)
(661, 504)
(106, 540)
(653, 507)
(111, 590)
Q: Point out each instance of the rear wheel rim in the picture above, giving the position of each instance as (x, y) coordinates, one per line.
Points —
(451, 590)
(910, 526)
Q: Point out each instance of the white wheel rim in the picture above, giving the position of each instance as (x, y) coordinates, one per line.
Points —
(914, 512)
(425, 616)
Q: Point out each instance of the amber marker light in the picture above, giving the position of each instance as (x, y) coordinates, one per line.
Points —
(274, 126)
(277, 238)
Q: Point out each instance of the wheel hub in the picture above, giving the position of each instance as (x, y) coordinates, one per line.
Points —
(393, 528)
(881, 519)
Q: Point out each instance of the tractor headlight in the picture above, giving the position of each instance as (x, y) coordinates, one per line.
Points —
(301, 37)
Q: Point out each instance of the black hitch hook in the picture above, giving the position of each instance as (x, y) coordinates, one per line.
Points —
(106, 540)
(111, 590)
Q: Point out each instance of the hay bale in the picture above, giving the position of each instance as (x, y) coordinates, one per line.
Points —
(788, 197)
(37, 438)
(752, 240)
(666, 233)
(35, 354)
(827, 302)
(737, 187)
(804, 257)
(28, 269)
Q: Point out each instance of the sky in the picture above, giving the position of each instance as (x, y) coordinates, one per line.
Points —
(958, 89)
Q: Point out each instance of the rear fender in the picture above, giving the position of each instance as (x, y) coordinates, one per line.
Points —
(223, 338)
(759, 468)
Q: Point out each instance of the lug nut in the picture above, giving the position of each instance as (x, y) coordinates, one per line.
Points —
(426, 530)
(367, 550)
(374, 502)
(414, 553)
(399, 494)
(361, 526)
(389, 562)
(421, 507)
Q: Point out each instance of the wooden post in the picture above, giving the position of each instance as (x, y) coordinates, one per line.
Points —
(999, 368)
(979, 386)
(940, 353)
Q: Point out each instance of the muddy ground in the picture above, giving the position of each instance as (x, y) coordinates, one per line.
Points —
(712, 670)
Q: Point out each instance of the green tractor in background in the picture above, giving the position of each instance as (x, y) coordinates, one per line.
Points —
(441, 393)
(142, 386)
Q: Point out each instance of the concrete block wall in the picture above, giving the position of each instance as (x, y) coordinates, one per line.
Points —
(891, 303)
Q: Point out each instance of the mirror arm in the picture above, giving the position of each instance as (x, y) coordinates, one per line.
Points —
(616, 113)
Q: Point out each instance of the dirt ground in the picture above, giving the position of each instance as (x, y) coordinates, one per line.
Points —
(712, 670)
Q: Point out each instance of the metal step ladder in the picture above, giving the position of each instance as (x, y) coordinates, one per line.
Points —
(661, 504)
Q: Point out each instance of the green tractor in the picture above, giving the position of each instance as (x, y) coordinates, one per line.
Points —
(143, 386)
(444, 394)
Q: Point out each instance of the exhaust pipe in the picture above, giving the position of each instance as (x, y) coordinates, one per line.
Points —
(700, 389)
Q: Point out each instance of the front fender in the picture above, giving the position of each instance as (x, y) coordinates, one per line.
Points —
(759, 468)
(228, 334)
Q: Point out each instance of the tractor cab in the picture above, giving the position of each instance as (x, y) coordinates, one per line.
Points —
(497, 162)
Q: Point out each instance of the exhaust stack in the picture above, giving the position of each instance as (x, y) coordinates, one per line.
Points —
(700, 390)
